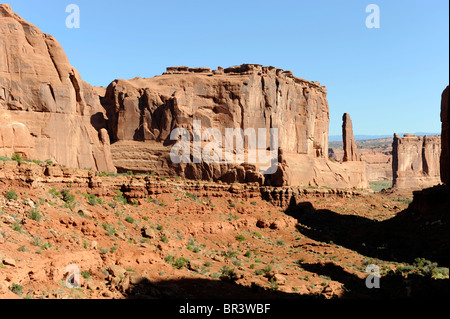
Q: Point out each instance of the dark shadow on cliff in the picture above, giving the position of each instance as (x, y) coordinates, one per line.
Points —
(98, 121)
(421, 231)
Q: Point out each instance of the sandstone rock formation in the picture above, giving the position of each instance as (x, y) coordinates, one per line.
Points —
(444, 138)
(350, 149)
(416, 161)
(376, 153)
(47, 110)
(15, 138)
(142, 114)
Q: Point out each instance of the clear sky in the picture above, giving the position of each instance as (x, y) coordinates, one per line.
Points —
(390, 79)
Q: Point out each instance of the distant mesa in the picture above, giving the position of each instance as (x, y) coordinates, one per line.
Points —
(416, 161)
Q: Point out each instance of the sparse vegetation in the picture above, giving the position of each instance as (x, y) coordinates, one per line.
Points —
(17, 289)
(227, 273)
(11, 195)
(110, 229)
(180, 262)
(35, 215)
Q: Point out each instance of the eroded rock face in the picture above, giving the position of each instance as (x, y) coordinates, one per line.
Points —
(143, 112)
(445, 139)
(247, 96)
(58, 112)
(416, 161)
(350, 148)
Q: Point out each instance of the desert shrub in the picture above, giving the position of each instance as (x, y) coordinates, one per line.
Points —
(230, 253)
(169, 259)
(93, 200)
(120, 198)
(164, 239)
(129, 219)
(240, 238)
(228, 273)
(17, 289)
(180, 262)
(35, 215)
(11, 195)
(17, 227)
(86, 274)
(17, 157)
(257, 235)
(67, 196)
(110, 229)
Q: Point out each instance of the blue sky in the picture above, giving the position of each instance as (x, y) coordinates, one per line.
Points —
(389, 79)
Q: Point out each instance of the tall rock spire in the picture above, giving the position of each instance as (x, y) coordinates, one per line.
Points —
(350, 149)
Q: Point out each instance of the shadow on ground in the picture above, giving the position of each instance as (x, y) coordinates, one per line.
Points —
(392, 286)
(421, 231)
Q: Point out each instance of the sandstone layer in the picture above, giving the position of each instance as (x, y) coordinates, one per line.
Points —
(46, 110)
(416, 161)
(142, 114)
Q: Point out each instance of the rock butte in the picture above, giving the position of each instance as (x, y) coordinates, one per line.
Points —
(416, 161)
(143, 112)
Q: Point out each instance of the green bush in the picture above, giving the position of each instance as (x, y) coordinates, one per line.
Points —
(180, 262)
(35, 215)
(110, 229)
(67, 196)
(228, 273)
(11, 195)
(93, 200)
(17, 289)
(120, 198)
(17, 157)
(129, 219)
(86, 274)
(169, 259)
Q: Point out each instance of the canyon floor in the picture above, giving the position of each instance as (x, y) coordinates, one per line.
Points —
(195, 239)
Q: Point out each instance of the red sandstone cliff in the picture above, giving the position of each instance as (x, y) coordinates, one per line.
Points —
(416, 161)
(143, 112)
(46, 110)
